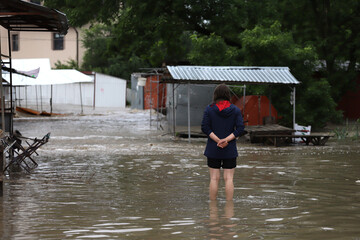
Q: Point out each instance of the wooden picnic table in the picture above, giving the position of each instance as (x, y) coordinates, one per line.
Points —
(270, 129)
(318, 139)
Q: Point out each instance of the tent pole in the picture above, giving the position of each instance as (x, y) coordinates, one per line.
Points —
(81, 103)
(51, 99)
(189, 130)
(17, 99)
(37, 103)
(41, 98)
(26, 99)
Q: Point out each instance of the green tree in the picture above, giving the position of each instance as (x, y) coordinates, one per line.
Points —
(306, 36)
(212, 51)
(333, 28)
(96, 41)
(81, 12)
(271, 46)
(70, 64)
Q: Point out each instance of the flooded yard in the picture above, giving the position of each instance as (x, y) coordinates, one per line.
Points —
(113, 177)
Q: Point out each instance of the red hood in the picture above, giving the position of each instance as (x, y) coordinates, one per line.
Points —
(223, 104)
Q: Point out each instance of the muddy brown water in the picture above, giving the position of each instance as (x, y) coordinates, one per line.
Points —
(113, 177)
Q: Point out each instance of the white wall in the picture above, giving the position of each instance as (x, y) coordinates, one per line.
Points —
(110, 92)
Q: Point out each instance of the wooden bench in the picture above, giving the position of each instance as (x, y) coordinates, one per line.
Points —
(318, 139)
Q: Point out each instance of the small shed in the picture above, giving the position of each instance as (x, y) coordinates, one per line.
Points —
(154, 93)
(231, 75)
(109, 91)
(147, 92)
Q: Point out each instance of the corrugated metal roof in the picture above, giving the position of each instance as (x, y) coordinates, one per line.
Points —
(241, 75)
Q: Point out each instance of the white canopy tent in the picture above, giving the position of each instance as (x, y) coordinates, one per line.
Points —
(44, 75)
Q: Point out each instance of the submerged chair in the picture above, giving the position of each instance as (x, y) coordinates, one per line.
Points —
(21, 156)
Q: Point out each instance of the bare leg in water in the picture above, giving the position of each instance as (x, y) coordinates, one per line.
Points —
(214, 183)
(229, 183)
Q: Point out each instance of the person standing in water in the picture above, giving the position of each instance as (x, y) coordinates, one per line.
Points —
(222, 123)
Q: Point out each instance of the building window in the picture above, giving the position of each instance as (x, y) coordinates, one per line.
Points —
(58, 41)
(36, 1)
(15, 42)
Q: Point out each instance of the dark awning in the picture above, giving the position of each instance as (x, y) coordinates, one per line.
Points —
(17, 15)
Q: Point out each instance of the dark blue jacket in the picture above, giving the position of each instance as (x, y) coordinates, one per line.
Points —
(222, 123)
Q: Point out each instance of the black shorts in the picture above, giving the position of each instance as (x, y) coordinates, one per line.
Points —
(221, 163)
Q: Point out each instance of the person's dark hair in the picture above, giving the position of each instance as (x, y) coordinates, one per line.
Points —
(221, 92)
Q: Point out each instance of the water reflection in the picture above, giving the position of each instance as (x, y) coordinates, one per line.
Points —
(220, 225)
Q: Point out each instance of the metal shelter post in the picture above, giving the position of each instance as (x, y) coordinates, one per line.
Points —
(157, 101)
(173, 108)
(244, 101)
(2, 97)
(94, 73)
(150, 99)
(11, 87)
(294, 94)
(2, 158)
(189, 125)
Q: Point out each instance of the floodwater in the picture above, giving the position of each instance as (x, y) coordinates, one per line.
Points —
(113, 177)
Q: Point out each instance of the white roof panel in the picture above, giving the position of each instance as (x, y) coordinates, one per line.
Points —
(241, 75)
